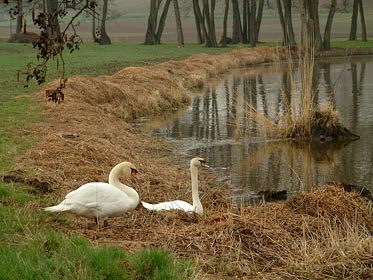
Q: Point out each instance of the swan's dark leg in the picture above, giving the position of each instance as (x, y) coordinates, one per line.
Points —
(106, 223)
(96, 221)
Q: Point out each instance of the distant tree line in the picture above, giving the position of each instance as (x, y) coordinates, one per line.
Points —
(245, 16)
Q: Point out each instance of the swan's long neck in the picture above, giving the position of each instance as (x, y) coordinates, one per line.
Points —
(114, 175)
(195, 195)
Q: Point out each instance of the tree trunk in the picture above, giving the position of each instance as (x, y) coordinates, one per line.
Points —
(152, 23)
(303, 18)
(252, 23)
(104, 38)
(282, 22)
(19, 17)
(289, 23)
(162, 21)
(259, 16)
(212, 22)
(53, 25)
(180, 36)
(154, 30)
(209, 11)
(313, 12)
(223, 40)
(316, 22)
(328, 25)
(354, 22)
(237, 26)
(245, 21)
(199, 21)
(94, 31)
(362, 20)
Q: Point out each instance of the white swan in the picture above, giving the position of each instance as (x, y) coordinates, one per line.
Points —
(102, 200)
(179, 204)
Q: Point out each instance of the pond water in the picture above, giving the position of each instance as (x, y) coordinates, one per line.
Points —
(219, 126)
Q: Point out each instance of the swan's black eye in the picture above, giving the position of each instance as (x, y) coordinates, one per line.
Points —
(203, 163)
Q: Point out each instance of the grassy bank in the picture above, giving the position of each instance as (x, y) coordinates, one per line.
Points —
(31, 244)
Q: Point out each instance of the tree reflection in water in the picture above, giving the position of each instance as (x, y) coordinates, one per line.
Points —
(219, 127)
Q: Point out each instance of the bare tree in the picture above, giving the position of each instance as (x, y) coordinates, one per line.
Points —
(95, 30)
(104, 37)
(314, 23)
(328, 25)
(353, 28)
(53, 40)
(206, 21)
(310, 25)
(284, 11)
(247, 30)
(237, 30)
(53, 27)
(19, 16)
(358, 7)
(224, 39)
(180, 36)
(154, 30)
(209, 15)
(259, 19)
(253, 23)
(362, 21)
(199, 22)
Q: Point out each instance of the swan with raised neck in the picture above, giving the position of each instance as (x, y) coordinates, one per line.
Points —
(197, 207)
(102, 200)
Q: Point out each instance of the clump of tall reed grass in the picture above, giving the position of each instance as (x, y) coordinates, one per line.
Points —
(301, 117)
(298, 116)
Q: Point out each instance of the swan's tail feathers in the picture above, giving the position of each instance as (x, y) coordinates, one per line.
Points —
(148, 205)
(58, 208)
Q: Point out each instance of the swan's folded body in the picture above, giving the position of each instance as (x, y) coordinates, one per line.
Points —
(102, 200)
(170, 205)
(94, 200)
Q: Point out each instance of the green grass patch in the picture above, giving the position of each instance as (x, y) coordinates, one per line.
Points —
(92, 59)
(31, 249)
(157, 264)
(53, 256)
(351, 44)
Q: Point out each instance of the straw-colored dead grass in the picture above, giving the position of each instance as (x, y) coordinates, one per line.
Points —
(320, 235)
(325, 234)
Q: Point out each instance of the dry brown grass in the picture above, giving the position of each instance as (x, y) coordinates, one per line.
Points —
(319, 235)
(324, 234)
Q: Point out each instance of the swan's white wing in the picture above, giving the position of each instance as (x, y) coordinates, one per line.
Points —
(169, 205)
(97, 199)
(94, 192)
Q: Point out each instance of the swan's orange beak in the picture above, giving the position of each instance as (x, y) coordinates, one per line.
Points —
(203, 164)
(134, 174)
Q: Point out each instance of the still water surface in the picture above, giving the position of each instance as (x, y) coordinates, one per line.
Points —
(217, 127)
